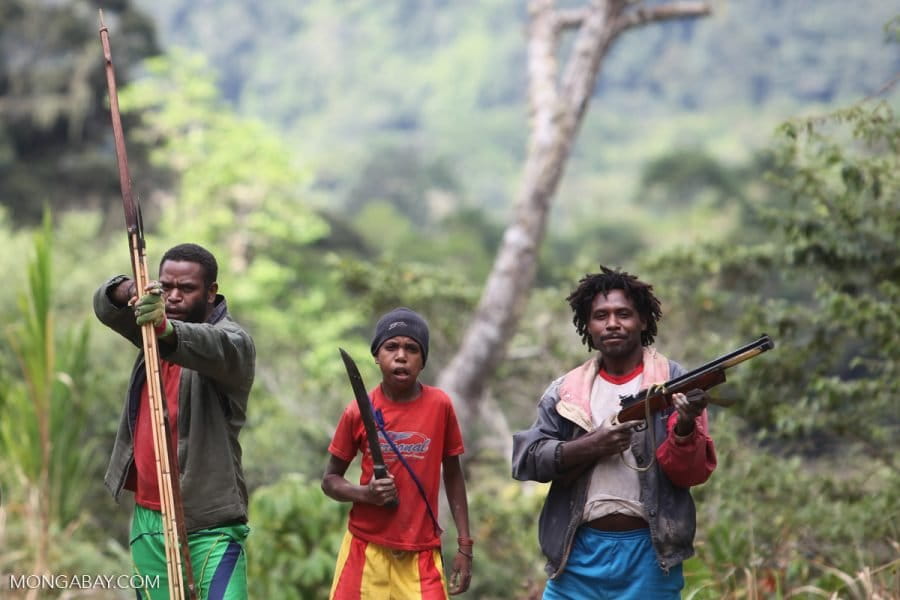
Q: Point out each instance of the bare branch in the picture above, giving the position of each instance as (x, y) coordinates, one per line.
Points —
(593, 40)
(571, 18)
(542, 70)
(665, 12)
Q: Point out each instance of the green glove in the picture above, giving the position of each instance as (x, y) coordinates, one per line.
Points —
(151, 308)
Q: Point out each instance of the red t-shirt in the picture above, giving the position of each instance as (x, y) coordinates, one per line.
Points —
(146, 486)
(425, 431)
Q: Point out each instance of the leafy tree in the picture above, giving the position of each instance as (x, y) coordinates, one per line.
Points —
(685, 177)
(43, 445)
(439, 294)
(814, 262)
(450, 79)
(297, 532)
(774, 525)
(401, 178)
(824, 284)
(507, 563)
(54, 126)
(425, 74)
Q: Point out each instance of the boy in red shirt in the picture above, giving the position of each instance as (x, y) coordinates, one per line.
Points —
(396, 552)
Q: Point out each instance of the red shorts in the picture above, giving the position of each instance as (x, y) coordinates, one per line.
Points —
(367, 571)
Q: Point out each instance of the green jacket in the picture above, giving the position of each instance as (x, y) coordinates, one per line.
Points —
(218, 362)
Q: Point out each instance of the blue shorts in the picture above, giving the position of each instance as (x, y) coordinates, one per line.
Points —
(618, 565)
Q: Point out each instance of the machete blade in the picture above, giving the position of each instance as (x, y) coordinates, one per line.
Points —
(368, 418)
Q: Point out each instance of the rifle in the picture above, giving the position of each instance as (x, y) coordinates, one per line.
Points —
(658, 397)
(178, 558)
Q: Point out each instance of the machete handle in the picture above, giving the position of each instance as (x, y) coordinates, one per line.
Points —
(380, 472)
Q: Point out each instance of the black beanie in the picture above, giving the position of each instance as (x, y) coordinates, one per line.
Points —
(401, 321)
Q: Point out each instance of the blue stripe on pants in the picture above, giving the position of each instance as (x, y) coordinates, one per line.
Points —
(220, 579)
(614, 565)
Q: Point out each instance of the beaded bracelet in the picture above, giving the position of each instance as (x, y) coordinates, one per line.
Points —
(465, 541)
(466, 554)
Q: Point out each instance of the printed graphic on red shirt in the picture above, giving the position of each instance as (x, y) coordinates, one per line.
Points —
(412, 445)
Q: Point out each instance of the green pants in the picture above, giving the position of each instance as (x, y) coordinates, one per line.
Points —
(217, 557)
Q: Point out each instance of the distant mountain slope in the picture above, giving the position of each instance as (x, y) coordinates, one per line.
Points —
(447, 78)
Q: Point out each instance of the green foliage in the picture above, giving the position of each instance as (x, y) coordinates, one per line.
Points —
(449, 79)
(685, 177)
(15, 244)
(441, 295)
(44, 414)
(400, 177)
(824, 284)
(297, 531)
(53, 121)
(426, 74)
(506, 563)
(43, 445)
(238, 184)
(775, 524)
(803, 52)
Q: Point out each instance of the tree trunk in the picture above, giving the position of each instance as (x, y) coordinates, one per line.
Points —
(557, 107)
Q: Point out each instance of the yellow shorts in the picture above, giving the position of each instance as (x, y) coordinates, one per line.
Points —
(367, 571)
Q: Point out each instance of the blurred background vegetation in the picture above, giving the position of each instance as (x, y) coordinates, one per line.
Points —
(344, 158)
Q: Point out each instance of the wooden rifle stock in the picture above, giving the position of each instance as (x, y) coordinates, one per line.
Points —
(178, 558)
(635, 406)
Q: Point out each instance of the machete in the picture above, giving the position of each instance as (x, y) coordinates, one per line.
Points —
(368, 418)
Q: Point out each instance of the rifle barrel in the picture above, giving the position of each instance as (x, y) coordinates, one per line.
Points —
(723, 362)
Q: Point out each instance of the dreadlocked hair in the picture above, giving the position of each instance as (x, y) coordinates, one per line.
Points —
(641, 294)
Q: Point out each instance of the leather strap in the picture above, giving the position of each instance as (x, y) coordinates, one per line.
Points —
(617, 522)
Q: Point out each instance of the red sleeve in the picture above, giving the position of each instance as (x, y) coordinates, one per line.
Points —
(344, 444)
(690, 460)
(453, 441)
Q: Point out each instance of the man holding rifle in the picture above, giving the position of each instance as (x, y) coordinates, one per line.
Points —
(207, 369)
(619, 518)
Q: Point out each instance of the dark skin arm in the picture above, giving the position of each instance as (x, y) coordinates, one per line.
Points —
(124, 292)
(336, 486)
(455, 486)
(613, 438)
(689, 407)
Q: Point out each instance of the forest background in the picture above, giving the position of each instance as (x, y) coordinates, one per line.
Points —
(345, 158)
